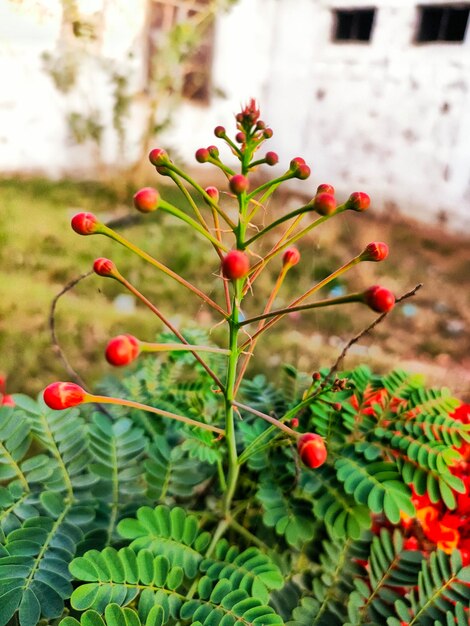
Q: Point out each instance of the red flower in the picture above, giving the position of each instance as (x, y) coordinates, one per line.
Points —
(235, 265)
(84, 223)
(312, 450)
(122, 350)
(379, 299)
(146, 199)
(63, 395)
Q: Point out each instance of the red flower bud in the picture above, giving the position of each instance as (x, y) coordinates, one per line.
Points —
(238, 184)
(316, 376)
(260, 125)
(358, 201)
(375, 251)
(294, 423)
(411, 543)
(7, 400)
(312, 450)
(122, 350)
(324, 188)
(336, 406)
(85, 223)
(296, 163)
(63, 395)
(303, 172)
(271, 158)
(104, 267)
(240, 137)
(267, 133)
(219, 131)
(213, 152)
(324, 203)
(202, 155)
(291, 257)
(213, 192)
(235, 265)
(157, 156)
(379, 299)
(146, 199)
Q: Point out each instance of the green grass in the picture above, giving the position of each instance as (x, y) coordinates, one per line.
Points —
(40, 254)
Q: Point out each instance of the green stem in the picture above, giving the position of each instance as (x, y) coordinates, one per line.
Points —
(299, 211)
(269, 183)
(105, 230)
(117, 276)
(233, 467)
(203, 193)
(179, 347)
(151, 409)
(268, 418)
(169, 208)
(189, 198)
(241, 530)
(353, 297)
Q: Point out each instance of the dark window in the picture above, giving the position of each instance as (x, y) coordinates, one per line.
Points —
(353, 24)
(442, 22)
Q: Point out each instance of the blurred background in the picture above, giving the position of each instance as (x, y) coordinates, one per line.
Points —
(375, 99)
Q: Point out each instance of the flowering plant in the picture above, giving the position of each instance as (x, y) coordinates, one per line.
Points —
(190, 494)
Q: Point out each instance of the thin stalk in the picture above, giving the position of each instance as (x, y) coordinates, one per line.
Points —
(203, 193)
(275, 181)
(218, 234)
(258, 271)
(189, 198)
(169, 325)
(152, 409)
(255, 270)
(179, 347)
(279, 313)
(280, 220)
(105, 230)
(244, 532)
(352, 297)
(233, 467)
(268, 418)
(169, 208)
(267, 308)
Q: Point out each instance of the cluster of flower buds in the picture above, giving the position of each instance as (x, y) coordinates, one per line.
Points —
(240, 265)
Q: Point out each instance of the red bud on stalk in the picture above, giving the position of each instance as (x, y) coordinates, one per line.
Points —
(240, 137)
(202, 155)
(146, 199)
(271, 158)
(213, 192)
(290, 257)
(358, 201)
(238, 184)
(325, 188)
(63, 395)
(299, 168)
(213, 152)
(312, 450)
(324, 203)
(104, 267)
(122, 350)
(85, 223)
(379, 299)
(375, 251)
(219, 131)
(157, 157)
(235, 265)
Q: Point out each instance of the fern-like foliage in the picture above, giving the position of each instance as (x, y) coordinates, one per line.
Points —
(116, 517)
(165, 561)
(443, 594)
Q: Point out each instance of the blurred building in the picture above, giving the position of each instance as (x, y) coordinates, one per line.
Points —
(374, 96)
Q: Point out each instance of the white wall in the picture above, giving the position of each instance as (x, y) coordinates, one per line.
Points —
(389, 117)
